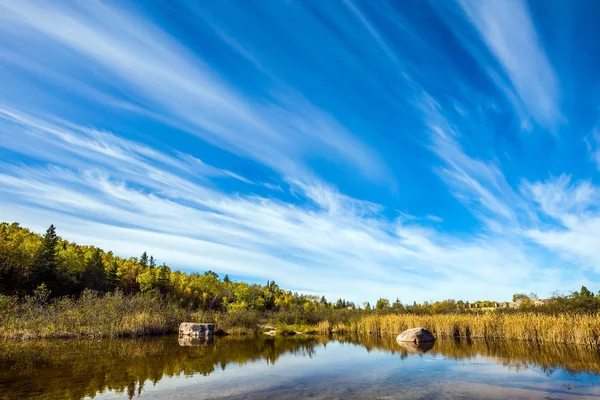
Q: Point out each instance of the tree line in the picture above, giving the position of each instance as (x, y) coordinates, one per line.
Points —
(31, 263)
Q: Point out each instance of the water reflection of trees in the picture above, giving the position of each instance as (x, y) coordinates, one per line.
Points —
(76, 369)
(513, 354)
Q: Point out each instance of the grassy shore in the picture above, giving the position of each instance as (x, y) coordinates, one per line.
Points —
(117, 315)
(94, 315)
(561, 328)
(90, 315)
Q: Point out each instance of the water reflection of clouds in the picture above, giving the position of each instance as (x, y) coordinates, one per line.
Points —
(494, 367)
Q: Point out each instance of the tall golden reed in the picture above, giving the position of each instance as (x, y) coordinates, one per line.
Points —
(562, 328)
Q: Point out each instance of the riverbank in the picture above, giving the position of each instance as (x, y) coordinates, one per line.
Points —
(119, 315)
(112, 315)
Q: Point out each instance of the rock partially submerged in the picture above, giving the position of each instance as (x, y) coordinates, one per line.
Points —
(416, 348)
(416, 335)
(196, 330)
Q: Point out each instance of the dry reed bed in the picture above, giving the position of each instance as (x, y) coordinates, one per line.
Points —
(563, 328)
(91, 315)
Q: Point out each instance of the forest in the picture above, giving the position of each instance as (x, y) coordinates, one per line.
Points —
(32, 263)
(52, 287)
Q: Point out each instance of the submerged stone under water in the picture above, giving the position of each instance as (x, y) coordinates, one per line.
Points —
(296, 367)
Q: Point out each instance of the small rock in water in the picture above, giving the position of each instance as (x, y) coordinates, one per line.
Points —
(416, 335)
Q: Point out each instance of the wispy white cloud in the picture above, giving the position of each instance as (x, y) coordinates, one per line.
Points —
(278, 129)
(572, 211)
(560, 216)
(560, 197)
(381, 42)
(434, 218)
(592, 142)
(479, 184)
(509, 32)
(58, 141)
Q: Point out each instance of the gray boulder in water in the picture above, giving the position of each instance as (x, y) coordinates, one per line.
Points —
(197, 330)
(416, 335)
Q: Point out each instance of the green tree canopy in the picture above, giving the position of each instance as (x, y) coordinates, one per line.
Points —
(518, 297)
(382, 304)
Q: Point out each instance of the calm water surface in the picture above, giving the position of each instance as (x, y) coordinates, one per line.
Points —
(294, 368)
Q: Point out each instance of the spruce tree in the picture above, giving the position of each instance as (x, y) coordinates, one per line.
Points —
(94, 276)
(112, 277)
(211, 273)
(45, 263)
(144, 260)
(164, 279)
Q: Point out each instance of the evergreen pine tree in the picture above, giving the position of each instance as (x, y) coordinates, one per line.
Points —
(45, 262)
(112, 277)
(144, 260)
(164, 279)
(94, 276)
(211, 273)
(586, 293)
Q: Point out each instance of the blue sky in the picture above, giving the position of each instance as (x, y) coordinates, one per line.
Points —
(420, 150)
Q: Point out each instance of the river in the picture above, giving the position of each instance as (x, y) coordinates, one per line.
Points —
(295, 368)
